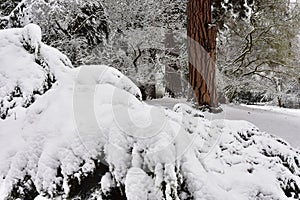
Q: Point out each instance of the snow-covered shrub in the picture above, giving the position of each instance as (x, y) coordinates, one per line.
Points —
(28, 69)
(74, 27)
(90, 137)
(32, 38)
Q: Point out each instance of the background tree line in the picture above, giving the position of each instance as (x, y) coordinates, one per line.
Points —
(257, 45)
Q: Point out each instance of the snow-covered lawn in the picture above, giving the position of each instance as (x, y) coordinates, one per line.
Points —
(282, 122)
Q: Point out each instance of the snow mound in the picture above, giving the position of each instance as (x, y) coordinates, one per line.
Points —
(32, 37)
(28, 68)
(90, 137)
(102, 74)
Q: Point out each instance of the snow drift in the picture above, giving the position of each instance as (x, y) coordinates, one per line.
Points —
(85, 134)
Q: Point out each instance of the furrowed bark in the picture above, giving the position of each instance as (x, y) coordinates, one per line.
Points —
(202, 36)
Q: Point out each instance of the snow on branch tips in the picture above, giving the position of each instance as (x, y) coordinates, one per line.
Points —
(32, 38)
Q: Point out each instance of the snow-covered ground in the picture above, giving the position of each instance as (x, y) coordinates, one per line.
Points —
(282, 122)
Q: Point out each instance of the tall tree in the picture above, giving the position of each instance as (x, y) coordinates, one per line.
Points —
(202, 51)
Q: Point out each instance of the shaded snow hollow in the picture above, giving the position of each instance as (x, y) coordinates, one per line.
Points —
(86, 134)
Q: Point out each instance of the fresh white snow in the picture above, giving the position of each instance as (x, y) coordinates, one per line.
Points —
(92, 117)
(282, 122)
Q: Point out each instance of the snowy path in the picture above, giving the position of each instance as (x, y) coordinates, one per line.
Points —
(284, 123)
(279, 122)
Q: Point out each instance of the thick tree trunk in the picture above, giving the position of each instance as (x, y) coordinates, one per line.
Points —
(202, 52)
